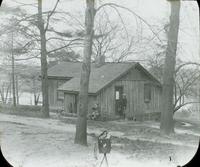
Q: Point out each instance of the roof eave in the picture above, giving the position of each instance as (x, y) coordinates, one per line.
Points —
(59, 77)
(148, 73)
(115, 78)
(77, 92)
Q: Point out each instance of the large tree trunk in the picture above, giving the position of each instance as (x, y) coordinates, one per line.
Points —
(13, 72)
(81, 125)
(167, 123)
(44, 79)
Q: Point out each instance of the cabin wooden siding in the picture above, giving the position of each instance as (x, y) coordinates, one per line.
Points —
(133, 84)
(68, 100)
(54, 102)
(52, 92)
(73, 99)
(106, 101)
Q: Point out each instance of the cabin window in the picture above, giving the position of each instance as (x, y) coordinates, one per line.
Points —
(60, 94)
(147, 93)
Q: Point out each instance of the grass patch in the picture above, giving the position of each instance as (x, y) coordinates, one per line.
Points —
(22, 110)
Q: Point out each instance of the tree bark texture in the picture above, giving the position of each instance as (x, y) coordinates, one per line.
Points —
(81, 125)
(167, 123)
(44, 77)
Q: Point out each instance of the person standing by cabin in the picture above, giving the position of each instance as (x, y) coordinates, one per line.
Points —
(124, 104)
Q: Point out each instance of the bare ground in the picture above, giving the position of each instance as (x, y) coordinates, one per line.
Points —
(28, 142)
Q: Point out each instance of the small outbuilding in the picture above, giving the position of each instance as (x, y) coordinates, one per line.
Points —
(120, 90)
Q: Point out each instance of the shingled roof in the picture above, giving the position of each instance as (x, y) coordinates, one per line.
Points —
(65, 70)
(99, 77)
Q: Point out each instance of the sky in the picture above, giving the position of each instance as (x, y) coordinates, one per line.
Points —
(155, 12)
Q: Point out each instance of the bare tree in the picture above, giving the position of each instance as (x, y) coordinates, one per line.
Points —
(29, 24)
(167, 123)
(81, 126)
(13, 71)
(44, 77)
(4, 91)
(13, 47)
(185, 86)
(109, 41)
(28, 77)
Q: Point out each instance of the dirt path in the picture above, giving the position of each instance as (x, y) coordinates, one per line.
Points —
(30, 142)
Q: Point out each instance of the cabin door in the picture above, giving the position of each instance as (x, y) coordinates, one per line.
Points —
(75, 103)
(72, 104)
(118, 100)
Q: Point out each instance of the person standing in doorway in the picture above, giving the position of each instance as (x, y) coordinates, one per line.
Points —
(124, 104)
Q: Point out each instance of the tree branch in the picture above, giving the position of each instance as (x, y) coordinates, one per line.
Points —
(135, 14)
(185, 64)
(50, 14)
(178, 107)
(70, 43)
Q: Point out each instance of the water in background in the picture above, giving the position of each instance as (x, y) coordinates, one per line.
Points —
(27, 98)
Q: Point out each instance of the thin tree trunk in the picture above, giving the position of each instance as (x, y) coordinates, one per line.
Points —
(36, 99)
(10, 90)
(13, 72)
(34, 92)
(167, 123)
(44, 79)
(7, 92)
(17, 91)
(81, 125)
(2, 93)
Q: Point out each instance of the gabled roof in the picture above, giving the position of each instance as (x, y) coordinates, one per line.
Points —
(65, 70)
(99, 77)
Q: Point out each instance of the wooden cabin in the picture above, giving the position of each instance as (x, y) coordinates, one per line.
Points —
(107, 85)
